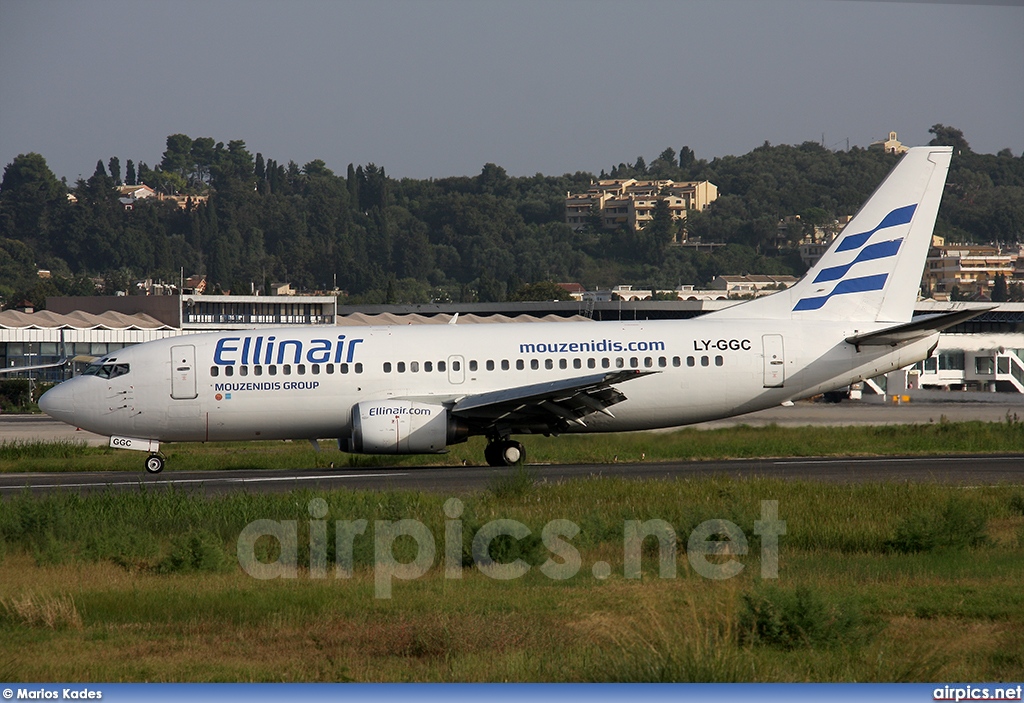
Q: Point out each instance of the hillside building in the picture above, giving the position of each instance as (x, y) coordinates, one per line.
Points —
(630, 203)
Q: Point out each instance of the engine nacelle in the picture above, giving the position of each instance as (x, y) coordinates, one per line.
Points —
(403, 427)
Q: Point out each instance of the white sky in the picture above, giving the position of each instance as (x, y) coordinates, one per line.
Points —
(433, 88)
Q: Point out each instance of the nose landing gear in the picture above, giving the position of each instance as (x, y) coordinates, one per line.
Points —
(154, 463)
(505, 452)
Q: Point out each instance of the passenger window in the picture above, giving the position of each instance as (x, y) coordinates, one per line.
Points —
(490, 364)
(315, 369)
(606, 363)
(456, 366)
(401, 367)
(343, 368)
(663, 362)
(214, 371)
(243, 370)
(229, 371)
(577, 363)
(271, 370)
(705, 361)
(387, 367)
(286, 369)
(719, 361)
(534, 364)
(504, 364)
(472, 365)
(520, 365)
(648, 362)
(563, 364)
(549, 364)
(330, 368)
(690, 361)
(619, 363)
(634, 362)
(301, 369)
(359, 368)
(414, 366)
(441, 366)
(428, 366)
(257, 370)
(591, 363)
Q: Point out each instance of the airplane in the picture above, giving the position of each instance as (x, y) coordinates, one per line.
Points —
(420, 389)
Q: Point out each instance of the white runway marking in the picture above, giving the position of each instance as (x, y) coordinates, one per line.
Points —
(182, 481)
(866, 459)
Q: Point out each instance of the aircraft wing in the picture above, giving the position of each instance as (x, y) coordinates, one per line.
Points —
(555, 405)
(916, 329)
(34, 367)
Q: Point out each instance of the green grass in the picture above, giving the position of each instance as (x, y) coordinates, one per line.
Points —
(685, 444)
(877, 581)
(146, 586)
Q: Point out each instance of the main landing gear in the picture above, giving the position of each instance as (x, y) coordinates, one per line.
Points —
(154, 463)
(505, 452)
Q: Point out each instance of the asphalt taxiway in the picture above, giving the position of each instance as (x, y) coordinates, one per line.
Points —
(962, 470)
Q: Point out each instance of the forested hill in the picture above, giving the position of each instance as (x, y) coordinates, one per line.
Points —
(464, 239)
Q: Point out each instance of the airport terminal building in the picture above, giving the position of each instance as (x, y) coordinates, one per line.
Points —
(984, 354)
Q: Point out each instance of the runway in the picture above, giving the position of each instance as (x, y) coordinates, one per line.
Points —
(961, 470)
(964, 470)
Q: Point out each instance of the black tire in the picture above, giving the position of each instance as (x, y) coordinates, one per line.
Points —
(154, 464)
(492, 454)
(512, 453)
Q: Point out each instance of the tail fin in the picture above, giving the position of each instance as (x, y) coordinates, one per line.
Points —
(872, 271)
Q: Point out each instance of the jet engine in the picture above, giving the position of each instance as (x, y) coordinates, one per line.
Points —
(403, 427)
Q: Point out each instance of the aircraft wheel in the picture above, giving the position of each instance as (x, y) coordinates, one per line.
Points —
(505, 452)
(492, 454)
(512, 453)
(154, 463)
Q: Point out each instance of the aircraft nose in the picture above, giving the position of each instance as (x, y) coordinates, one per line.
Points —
(58, 402)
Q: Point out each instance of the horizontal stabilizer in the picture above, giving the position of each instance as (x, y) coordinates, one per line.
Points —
(918, 328)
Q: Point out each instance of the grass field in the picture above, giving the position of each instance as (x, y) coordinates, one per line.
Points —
(876, 582)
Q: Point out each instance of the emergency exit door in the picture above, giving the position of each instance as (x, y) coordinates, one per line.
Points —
(774, 361)
(183, 372)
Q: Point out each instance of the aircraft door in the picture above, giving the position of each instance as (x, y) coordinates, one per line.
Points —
(183, 372)
(456, 369)
(774, 361)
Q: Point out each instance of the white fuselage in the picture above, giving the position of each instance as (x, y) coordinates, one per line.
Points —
(304, 382)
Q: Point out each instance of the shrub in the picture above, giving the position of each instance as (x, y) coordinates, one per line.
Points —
(959, 525)
(788, 619)
(196, 551)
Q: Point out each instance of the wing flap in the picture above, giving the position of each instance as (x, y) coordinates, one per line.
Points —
(555, 404)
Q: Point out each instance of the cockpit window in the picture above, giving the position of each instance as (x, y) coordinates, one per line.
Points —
(105, 369)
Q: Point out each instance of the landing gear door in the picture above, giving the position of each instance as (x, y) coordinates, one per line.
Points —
(183, 372)
(774, 361)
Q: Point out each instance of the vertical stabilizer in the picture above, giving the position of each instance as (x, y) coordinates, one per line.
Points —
(872, 271)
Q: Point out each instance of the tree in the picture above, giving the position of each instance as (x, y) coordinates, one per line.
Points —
(544, 290)
(201, 156)
(129, 173)
(949, 136)
(31, 200)
(177, 157)
(686, 158)
(114, 166)
(1000, 294)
